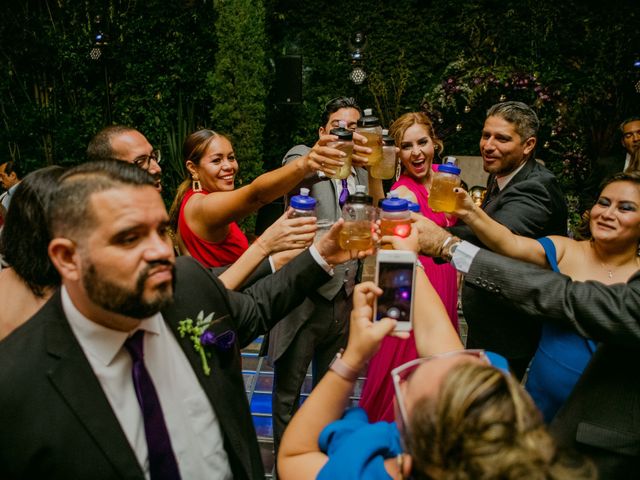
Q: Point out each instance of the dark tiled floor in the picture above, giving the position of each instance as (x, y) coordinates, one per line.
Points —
(258, 380)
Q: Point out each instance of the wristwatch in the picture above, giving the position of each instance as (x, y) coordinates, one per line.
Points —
(343, 370)
(449, 247)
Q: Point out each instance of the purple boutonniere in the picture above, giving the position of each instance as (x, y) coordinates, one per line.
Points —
(203, 338)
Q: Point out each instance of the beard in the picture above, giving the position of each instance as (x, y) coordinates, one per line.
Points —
(129, 302)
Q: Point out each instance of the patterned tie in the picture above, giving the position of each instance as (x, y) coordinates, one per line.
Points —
(491, 192)
(344, 194)
(162, 461)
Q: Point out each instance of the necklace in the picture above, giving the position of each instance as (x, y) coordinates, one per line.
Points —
(609, 271)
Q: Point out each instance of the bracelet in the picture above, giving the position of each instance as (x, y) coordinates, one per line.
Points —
(342, 369)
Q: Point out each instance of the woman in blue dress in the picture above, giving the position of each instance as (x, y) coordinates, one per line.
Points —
(609, 256)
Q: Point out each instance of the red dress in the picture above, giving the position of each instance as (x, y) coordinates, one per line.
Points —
(211, 254)
(377, 392)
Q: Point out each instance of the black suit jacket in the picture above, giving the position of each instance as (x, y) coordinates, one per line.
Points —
(57, 423)
(532, 204)
(602, 415)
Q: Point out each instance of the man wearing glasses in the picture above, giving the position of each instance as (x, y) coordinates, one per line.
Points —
(119, 142)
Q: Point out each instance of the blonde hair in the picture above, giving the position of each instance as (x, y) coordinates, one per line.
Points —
(483, 425)
(401, 124)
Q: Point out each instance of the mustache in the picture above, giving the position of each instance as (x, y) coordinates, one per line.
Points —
(154, 264)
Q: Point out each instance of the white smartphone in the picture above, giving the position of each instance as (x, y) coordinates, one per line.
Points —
(395, 275)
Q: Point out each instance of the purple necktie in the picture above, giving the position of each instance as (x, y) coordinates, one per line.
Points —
(162, 461)
(344, 194)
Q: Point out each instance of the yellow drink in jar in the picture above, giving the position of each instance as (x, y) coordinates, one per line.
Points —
(345, 170)
(356, 236)
(374, 142)
(442, 198)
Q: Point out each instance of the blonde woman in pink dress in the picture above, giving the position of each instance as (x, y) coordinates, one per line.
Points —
(414, 135)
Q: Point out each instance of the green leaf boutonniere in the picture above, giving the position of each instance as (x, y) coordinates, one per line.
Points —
(202, 337)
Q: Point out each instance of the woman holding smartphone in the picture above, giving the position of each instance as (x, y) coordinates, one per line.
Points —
(460, 415)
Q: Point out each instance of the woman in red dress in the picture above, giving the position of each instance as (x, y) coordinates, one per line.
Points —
(208, 205)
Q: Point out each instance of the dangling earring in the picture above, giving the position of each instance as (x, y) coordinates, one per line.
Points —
(195, 183)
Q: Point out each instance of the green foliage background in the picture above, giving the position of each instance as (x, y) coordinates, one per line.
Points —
(177, 66)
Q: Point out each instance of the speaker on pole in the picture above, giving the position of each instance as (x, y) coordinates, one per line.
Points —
(288, 87)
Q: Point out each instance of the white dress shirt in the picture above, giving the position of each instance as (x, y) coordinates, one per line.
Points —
(195, 433)
(463, 256)
(503, 181)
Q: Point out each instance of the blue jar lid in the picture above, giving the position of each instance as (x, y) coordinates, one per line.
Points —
(394, 204)
(449, 168)
(303, 201)
(414, 207)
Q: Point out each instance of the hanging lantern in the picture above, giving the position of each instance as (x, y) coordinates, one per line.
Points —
(357, 75)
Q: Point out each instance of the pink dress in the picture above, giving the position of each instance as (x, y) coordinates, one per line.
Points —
(377, 392)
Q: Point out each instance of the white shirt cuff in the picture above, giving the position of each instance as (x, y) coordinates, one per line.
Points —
(319, 260)
(463, 256)
(273, 267)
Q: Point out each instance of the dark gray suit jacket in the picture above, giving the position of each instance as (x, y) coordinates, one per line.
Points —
(602, 416)
(324, 191)
(533, 205)
(57, 423)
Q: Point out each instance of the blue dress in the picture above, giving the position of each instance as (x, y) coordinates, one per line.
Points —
(357, 448)
(560, 359)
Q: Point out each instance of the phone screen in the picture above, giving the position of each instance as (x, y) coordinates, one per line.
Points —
(395, 281)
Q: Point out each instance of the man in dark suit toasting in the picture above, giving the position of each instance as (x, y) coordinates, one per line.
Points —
(601, 417)
(525, 197)
(99, 383)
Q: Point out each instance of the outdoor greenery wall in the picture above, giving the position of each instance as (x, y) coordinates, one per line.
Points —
(573, 61)
(176, 66)
(171, 68)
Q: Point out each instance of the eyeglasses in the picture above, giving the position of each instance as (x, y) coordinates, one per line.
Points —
(144, 161)
(401, 375)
